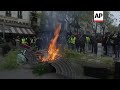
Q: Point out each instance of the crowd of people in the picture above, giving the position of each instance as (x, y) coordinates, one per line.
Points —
(82, 43)
(79, 42)
(19, 42)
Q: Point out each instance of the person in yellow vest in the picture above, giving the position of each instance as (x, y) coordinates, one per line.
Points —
(87, 39)
(72, 42)
(87, 43)
(24, 41)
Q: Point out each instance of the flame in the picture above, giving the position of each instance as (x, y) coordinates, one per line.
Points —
(53, 51)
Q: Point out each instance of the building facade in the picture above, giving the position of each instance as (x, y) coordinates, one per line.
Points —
(16, 22)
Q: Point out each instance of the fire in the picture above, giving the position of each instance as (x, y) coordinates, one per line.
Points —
(53, 51)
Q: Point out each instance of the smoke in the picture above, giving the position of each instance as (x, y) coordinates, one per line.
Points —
(52, 19)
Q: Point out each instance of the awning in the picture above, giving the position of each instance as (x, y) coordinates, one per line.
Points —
(16, 30)
(30, 31)
(13, 30)
(24, 30)
(6, 29)
(19, 31)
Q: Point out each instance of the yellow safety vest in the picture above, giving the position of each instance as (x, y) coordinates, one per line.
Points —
(73, 40)
(87, 39)
(23, 41)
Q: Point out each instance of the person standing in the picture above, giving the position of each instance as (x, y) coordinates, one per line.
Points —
(92, 43)
(72, 40)
(31, 41)
(28, 41)
(38, 44)
(117, 46)
(109, 45)
(95, 45)
(77, 43)
(87, 43)
(17, 42)
(5, 47)
(82, 44)
(13, 43)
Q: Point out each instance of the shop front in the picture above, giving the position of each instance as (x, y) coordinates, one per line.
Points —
(11, 27)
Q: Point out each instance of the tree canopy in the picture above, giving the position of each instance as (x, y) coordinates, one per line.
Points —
(78, 19)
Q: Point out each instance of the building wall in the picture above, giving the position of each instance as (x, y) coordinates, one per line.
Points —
(2, 13)
(14, 14)
(26, 15)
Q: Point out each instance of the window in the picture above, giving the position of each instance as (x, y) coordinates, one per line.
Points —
(20, 14)
(8, 13)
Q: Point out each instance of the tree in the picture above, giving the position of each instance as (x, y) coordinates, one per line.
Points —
(75, 19)
(33, 18)
(113, 28)
(42, 17)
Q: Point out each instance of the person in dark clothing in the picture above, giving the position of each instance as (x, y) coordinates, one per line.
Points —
(82, 44)
(109, 45)
(77, 43)
(114, 37)
(117, 46)
(105, 44)
(95, 46)
(13, 42)
(28, 41)
(5, 48)
(38, 43)
(92, 43)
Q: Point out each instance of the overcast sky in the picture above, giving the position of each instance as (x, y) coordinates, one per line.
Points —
(117, 16)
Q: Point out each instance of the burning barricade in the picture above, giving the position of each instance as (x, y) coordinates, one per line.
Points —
(52, 52)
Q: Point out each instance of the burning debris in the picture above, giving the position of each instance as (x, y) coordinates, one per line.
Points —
(53, 51)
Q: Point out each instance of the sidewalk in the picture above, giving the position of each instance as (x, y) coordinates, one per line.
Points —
(22, 73)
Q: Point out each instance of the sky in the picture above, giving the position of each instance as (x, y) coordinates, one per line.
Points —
(117, 16)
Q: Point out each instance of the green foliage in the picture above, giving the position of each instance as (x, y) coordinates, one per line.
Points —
(9, 62)
(107, 60)
(40, 69)
(87, 59)
(71, 54)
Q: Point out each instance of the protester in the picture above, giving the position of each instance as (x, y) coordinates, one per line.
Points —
(77, 43)
(72, 42)
(28, 41)
(82, 43)
(5, 47)
(38, 44)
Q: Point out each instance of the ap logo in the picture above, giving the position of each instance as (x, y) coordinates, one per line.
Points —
(98, 16)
